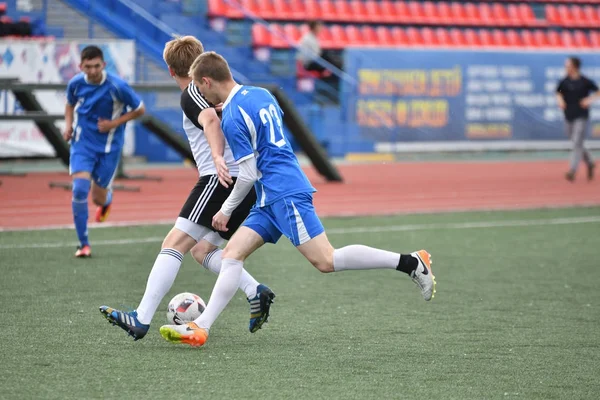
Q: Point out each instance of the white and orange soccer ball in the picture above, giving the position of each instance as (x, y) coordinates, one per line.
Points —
(184, 308)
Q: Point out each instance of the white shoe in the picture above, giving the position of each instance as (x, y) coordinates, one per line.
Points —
(423, 276)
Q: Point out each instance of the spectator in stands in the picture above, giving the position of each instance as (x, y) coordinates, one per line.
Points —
(575, 93)
(309, 49)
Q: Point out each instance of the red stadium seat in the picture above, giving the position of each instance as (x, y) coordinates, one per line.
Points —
(417, 14)
(579, 17)
(592, 16)
(283, 10)
(458, 14)
(343, 12)
(429, 38)
(340, 39)
(388, 11)
(528, 40)
(232, 12)
(457, 38)
(567, 40)
(443, 37)
(297, 9)
(514, 17)
(527, 15)
(385, 37)
(414, 37)
(552, 15)
(431, 12)
(472, 13)
(513, 39)
(326, 38)
(313, 10)
(354, 36)
(373, 12)
(251, 6)
(485, 15)
(471, 38)
(267, 11)
(486, 38)
(400, 37)
(499, 15)
(216, 8)
(261, 37)
(540, 39)
(292, 32)
(594, 37)
(370, 36)
(360, 13)
(278, 37)
(554, 39)
(499, 38)
(564, 13)
(328, 11)
(581, 39)
(402, 12)
(445, 13)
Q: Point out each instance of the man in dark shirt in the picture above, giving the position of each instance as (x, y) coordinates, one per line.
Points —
(575, 94)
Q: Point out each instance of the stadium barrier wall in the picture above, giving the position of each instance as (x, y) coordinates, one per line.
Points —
(447, 100)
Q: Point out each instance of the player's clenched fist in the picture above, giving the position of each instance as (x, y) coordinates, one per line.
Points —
(105, 125)
(220, 221)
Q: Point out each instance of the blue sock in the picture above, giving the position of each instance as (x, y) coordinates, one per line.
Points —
(108, 197)
(81, 189)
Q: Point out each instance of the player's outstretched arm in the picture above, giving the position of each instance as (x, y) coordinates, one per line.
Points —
(105, 125)
(247, 176)
(211, 123)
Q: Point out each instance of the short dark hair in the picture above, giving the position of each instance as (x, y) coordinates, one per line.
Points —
(91, 52)
(210, 65)
(576, 61)
(313, 25)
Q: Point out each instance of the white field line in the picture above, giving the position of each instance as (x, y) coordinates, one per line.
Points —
(346, 231)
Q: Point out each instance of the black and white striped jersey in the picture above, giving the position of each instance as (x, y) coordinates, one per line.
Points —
(192, 104)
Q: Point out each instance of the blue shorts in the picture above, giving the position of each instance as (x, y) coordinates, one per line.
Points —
(292, 216)
(101, 166)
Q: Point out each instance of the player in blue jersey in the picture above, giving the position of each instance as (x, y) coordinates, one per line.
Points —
(252, 124)
(99, 105)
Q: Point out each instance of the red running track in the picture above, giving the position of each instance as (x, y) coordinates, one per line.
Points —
(369, 189)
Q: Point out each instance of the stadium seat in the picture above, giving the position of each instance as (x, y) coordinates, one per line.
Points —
(278, 37)
(292, 32)
(485, 15)
(554, 39)
(429, 37)
(566, 40)
(339, 36)
(514, 16)
(370, 36)
(313, 10)
(514, 39)
(328, 11)
(552, 15)
(232, 12)
(216, 8)
(400, 37)
(354, 36)
(360, 13)
(528, 40)
(343, 12)
(540, 39)
(528, 17)
(457, 38)
(499, 16)
(267, 11)
(486, 38)
(402, 13)
(471, 38)
(326, 38)
(472, 14)
(591, 16)
(261, 37)
(296, 7)
(417, 14)
(414, 37)
(458, 14)
(499, 38)
(388, 11)
(565, 17)
(282, 10)
(581, 39)
(443, 37)
(373, 12)
(384, 36)
(431, 13)
(445, 13)
(594, 37)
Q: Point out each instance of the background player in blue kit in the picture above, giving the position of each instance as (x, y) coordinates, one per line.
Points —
(252, 124)
(95, 115)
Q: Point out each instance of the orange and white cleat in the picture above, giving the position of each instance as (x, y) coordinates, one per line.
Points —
(423, 276)
(84, 251)
(189, 333)
(102, 213)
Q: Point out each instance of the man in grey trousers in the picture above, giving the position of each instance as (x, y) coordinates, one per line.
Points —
(575, 93)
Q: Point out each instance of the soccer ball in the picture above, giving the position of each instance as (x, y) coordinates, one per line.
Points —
(184, 308)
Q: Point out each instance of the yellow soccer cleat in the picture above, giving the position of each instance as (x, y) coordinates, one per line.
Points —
(189, 333)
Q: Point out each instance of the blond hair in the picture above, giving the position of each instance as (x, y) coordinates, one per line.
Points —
(180, 53)
(210, 65)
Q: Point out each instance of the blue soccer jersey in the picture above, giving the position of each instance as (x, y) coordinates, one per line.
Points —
(252, 122)
(107, 100)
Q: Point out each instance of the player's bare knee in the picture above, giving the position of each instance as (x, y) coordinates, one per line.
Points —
(178, 240)
(324, 265)
(232, 253)
(201, 250)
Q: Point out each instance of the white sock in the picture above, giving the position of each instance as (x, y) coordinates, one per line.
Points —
(161, 279)
(248, 284)
(225, 287)
(363, 257)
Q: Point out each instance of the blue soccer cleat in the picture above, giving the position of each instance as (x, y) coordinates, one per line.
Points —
(260, 306)
(125, 320)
